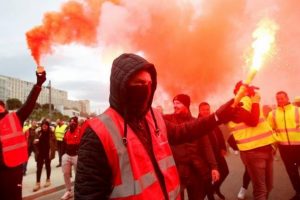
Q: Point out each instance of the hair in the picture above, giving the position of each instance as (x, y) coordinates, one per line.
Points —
(203, 104)
(282, 92)
(75, 119)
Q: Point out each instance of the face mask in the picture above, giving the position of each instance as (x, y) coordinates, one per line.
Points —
(73, 127)
(137, 101)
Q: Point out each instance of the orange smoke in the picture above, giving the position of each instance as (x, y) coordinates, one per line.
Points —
(197, 46)
(76, 22)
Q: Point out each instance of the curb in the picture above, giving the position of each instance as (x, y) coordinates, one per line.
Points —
(45, 192)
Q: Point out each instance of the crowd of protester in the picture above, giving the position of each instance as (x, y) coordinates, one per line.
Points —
(135, 151)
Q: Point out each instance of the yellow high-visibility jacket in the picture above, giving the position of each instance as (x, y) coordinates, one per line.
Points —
(247, 137)
(285, 122)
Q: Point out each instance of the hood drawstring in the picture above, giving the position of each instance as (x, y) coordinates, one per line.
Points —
(155, 123)
(157, 130)
(124, 139)
(125, 133)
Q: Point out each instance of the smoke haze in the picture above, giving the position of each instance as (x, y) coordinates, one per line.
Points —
(198, 47)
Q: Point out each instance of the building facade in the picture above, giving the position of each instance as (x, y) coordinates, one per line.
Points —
(19, 89)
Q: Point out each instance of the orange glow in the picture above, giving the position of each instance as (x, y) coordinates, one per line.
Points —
(263, 47)
(196, 46)
(264, 42)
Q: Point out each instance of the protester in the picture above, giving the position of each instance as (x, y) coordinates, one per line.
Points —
(12, 159)
(30, 134)
(217, 141)
(59, 131)
(195, 161)
(254, 138)
(125, 152)
(285, 120)
(45, 145)
(70, 153)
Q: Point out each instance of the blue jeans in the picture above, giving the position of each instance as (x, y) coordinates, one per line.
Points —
(259, 164)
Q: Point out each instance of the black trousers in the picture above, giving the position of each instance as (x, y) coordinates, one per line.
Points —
(198, 186)
(291, 159)
(11, 183)
(224, 171)
(30, 150)
(40, 162)
(59, 150)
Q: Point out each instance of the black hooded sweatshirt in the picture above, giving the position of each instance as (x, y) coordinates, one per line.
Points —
(94, 175)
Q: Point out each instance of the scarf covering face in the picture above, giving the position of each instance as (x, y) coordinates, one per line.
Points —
(138, 97)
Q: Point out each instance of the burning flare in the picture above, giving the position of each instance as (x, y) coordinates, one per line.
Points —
(263, 47)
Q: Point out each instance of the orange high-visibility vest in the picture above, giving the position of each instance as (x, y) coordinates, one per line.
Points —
(73, 138)
(13, 140)
(133, 173)
(285, 121)
(247, 137)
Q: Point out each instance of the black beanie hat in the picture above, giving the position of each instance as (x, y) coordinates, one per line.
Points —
(75, 119)
(184, 99)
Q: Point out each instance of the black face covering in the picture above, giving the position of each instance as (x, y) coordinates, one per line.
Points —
(73, 126)
(137, 101)
(2, 114)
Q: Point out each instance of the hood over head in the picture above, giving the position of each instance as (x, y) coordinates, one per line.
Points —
(123, 68)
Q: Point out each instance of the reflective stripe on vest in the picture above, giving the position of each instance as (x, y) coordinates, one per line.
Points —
(124, 189)
(248, 137)
(288, 132)
(13, 140)
(257, 137)
(129, 183)
(243, 125)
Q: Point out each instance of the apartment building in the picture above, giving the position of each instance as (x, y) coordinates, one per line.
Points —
(15, 88)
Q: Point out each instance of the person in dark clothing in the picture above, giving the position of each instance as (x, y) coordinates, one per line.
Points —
(125, 152)
(70, 148)
(217, 140)
(195, 160)
(45, 145)
(11, 176)
(30, 134)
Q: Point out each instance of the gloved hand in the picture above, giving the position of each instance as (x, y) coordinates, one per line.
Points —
(255, 98)
(40, 78)
(226, 112)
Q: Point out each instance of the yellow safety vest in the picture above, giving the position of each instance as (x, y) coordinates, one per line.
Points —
(60, 132)
(26, 127)
(285, 122)
(247, 137)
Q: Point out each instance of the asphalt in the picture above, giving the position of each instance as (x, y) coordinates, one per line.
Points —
(282, 189)
(29, 180)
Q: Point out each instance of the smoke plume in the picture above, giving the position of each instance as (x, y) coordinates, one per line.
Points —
(197, 46)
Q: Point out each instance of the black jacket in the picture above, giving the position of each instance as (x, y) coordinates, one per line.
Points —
(196, 155)
(94, 175)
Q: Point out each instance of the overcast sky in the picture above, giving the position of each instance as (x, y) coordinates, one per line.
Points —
(72, 68)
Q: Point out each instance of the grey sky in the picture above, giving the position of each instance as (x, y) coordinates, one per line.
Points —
(66, 69)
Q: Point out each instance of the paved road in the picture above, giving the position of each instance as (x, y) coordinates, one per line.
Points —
(282, 187)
